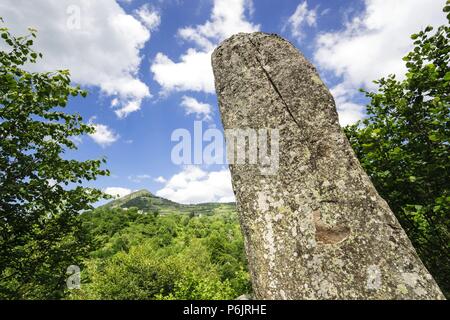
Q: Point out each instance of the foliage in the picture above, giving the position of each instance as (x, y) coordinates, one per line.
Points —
(176, 256)
(404, 146)
(40, 230)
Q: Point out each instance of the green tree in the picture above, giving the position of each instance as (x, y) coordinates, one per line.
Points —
(40, 191)
(148, 271)
(403, 145)
(136, 255)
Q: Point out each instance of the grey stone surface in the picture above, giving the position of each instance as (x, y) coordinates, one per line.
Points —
(318, 228)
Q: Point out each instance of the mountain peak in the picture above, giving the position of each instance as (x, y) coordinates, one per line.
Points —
(141, 193)
(128, 200)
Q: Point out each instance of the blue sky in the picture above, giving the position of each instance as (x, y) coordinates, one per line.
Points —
(146, 67)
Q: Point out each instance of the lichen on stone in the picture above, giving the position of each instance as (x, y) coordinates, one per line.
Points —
(317, 228)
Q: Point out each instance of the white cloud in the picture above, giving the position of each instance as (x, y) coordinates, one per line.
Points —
(194, 185)
(117, 192)
(149, 16)
(301, 17)
(348, 111)
(103, 135)
(161, 179)
(192, 105)
(114, 102)
(96, 40)
(194, 72)
(372, 45)
(129, 107)
(227, 18)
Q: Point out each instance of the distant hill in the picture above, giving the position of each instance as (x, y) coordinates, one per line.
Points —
(147, 202)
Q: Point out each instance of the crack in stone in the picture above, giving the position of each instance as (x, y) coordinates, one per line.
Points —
(272, 83)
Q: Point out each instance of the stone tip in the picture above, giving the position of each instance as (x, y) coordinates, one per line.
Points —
(237, 37)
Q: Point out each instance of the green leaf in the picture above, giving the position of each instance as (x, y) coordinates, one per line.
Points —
(447, 76)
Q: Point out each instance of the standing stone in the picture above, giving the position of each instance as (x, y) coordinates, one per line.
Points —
(317, 229)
